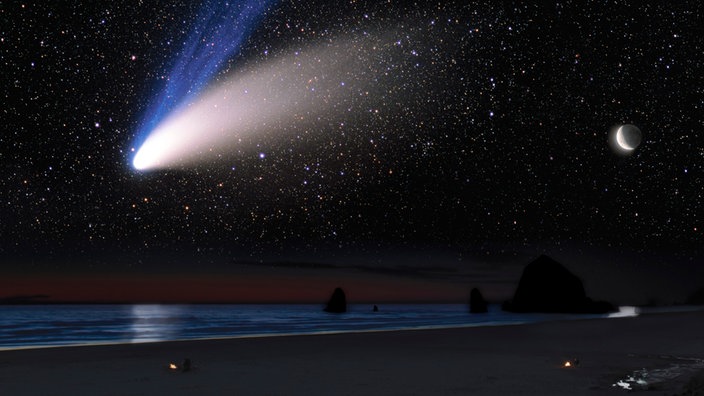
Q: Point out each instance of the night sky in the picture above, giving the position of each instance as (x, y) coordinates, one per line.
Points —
(470, 138)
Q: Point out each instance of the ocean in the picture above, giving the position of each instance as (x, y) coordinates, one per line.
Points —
(24, 326)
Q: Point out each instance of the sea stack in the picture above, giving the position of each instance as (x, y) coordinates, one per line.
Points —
(477, 303)
(338, 302)
(547, 286)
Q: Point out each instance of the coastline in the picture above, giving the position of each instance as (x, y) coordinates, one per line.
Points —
(81, 325)
(483, 360)
(156, 323)
(345, 325)
(270, 335)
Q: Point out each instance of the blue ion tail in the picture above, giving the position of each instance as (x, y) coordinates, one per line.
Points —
(218, 33)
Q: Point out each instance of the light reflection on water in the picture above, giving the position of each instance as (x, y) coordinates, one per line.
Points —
(625, 312)
(151, 323)
(647, 378)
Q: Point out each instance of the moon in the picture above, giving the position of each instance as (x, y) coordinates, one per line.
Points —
(621, 140)
(628, 137)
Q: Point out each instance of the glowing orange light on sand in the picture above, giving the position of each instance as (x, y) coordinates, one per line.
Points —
(173, 366)
(567, 364)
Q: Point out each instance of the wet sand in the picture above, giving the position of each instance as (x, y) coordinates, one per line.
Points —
(515, 360)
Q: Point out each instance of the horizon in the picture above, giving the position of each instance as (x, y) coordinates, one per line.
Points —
(275, 282)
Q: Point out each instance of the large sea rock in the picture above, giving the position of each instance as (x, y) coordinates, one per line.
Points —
(547, 286)
(477, 303)
(338, 302)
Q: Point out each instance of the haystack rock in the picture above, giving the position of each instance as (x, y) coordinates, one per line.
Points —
(547, 286)
(477, 303)
(338, 302)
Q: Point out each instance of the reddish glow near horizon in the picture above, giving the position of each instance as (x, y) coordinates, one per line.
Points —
(242, 288)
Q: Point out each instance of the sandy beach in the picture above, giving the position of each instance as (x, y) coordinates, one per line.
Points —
(505, 360)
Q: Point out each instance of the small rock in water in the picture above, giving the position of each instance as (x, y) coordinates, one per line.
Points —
(338, 302)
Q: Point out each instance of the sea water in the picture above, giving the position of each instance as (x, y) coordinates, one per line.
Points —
(56, 325)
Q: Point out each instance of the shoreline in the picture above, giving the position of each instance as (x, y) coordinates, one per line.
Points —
(276, 335)
(616, 315)
(484, 360)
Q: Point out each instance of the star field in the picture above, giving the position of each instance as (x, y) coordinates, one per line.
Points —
(480, 129)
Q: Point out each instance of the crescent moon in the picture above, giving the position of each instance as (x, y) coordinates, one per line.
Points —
(621, 140)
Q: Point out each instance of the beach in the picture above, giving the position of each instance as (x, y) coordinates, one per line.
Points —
(502, 360)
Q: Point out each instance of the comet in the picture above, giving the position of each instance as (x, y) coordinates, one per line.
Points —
(294, 92)
(303, 89)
